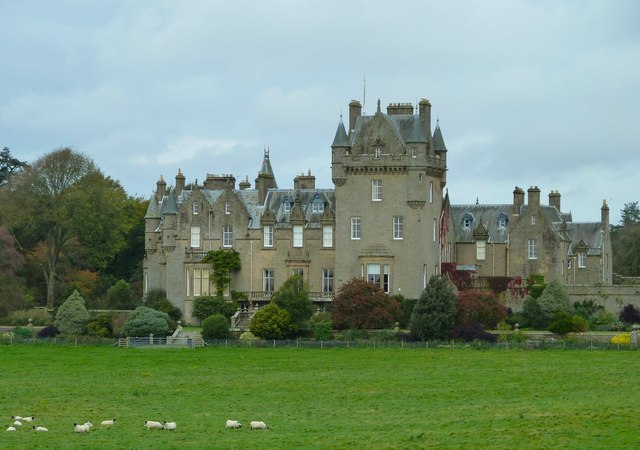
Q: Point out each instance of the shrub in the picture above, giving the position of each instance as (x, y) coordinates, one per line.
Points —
(472, 332)
(554, 299)
(434, 314)
(100, 325)
(23, 332)
(38, 316)
(361, 304)
(48, 332)
(119, 296)
(481, 307)
(271, 322)
(621, 339)
(166, 306)
(293, 296)
(323, 331)
(206, 306)
(579, 324)
(145, 321)
(407, 309)
(532, 315)
(383, 335)
(248, 336)
(630, 314)
(215, 327)
(72, 315)
(154, 295)
(562, 323)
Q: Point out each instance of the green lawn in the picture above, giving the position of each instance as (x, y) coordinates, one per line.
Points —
(322, 398)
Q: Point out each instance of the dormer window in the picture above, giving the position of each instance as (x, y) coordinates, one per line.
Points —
(377, 152)
(503, 219)
(467, 220)
(317, 205)
(286, 204)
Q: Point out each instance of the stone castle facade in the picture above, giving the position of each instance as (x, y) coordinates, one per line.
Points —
(387, 219)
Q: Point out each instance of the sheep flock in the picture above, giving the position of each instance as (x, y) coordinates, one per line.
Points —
(148, 424)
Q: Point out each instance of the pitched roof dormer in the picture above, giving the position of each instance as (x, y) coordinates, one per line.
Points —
(481, 233)
(297, 214)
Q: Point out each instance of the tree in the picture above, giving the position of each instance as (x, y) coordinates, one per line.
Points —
(481, 307)
(66, 204)
(215, 326)
(293, 296)
(630, 314)
(625, 241)
(145, 321)
(435, 311)
(119, 295)
(12, 286)
(271, 322)
(554, 299)
(206, 306)
(9, 165)
(72, 316)
(362, 305)
(223, 262)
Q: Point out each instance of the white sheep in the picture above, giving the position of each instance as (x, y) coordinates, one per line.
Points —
(234, 424)
(40, 428)
(108, 422)
(17, 423)
(11, 429)
(84, 428)
(152, 424)
(257, 425)
(28, 419)
(16, 417)
(171, 426)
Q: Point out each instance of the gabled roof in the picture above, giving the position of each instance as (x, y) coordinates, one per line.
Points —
(487, 215)
(589, 232)
(276, 197)
(409, 128)
(169, 205)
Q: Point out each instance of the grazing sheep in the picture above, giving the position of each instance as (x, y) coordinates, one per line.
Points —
(16, 417)
(17, 423)
(29, 419)
(11, 429)
(84, 428)
(233, 424)
(257, 425)
(108, 422)
(40, 428)
(171, 426)
(152, 424)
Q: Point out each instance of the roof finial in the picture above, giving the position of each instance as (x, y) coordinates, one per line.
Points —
(477, 201)
(378, 105)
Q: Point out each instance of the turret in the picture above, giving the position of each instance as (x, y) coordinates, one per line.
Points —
(265, 180)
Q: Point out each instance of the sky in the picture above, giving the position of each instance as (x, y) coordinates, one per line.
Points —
(542, 93)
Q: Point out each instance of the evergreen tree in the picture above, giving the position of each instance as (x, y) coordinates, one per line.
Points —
(293, 296)
(435, 312)
(72, 316)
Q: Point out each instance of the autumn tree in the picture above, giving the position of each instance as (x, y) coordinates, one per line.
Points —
(479, 307)
(360, 304)
(65, 203)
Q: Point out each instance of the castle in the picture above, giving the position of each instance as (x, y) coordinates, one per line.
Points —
(387, 219)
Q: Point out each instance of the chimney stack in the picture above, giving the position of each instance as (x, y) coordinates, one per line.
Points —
(518, 200)
(424, 108)
(179, 182)
(161, 188)
(303, 181)
(355, 110)
(554, 200)
(245, 184)
(604, 216)
(533, 197)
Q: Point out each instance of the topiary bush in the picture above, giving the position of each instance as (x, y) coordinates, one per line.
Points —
(145, 321)
(472, 332)
(72, 315)
(48, 332)
(272, 322)
(630, 314)
(215, 326)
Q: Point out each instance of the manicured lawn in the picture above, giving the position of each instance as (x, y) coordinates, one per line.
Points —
(322, 398)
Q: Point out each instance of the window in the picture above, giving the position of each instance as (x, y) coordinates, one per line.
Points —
(424, 276)
(327, 236)
(287, 206)
(413, 152)
(227, 236)
(398, 227)
(317, 207)
(195, 236)
(268, 280)
(532, 245)
(420, 177)
(298, 271)
(466, 222)
(373, 273)
(267, 235)
(355, 228)
(582, 260)
(377, 152)
(481, 250)
(227, 208)
(201, 282)
(533, 220)
(376, 190)
(297, 235)
(502, 222)
(431, 192)
(435, 229)
(196, 209)
(327, 280)
(386, 279)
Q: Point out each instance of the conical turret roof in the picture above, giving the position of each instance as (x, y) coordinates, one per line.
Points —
(341, 139)
(438, 140)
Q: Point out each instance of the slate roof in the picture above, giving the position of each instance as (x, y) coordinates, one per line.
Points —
(407, 127)
(341, 139)
(589, 232)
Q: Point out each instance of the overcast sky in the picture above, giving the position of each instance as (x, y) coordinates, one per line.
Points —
(542, 93)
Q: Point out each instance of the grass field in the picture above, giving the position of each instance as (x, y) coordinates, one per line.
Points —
(322, 398)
